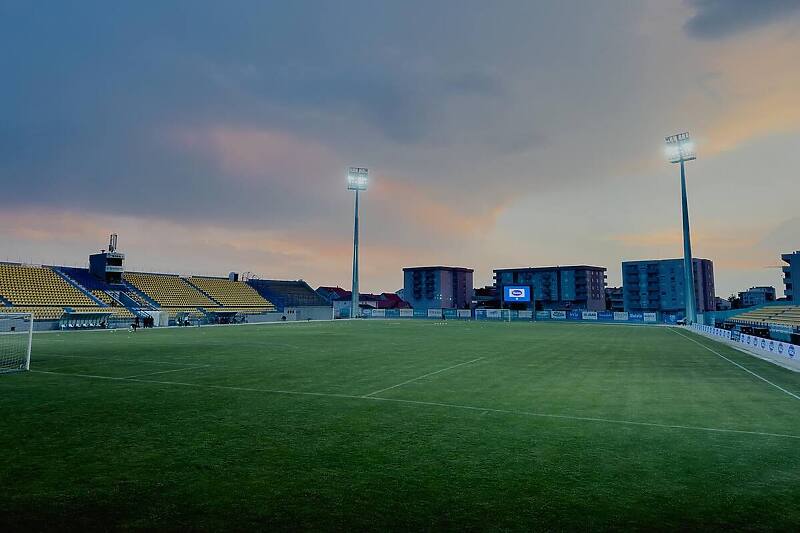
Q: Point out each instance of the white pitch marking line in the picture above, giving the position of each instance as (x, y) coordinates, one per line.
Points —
(166, 371)
(765, 380)
(431, 404)
(422, 377)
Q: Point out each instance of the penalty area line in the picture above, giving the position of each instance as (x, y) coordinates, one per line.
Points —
(166, 371)
(422, 377)
(432, 404)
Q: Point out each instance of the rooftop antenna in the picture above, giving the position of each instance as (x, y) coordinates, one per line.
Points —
(112, 243)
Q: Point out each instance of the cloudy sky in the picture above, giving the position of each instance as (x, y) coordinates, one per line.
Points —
(214, 136)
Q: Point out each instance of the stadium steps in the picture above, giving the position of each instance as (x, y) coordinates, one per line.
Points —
(78, 286)
(131, 288)
(201, 291)
(5, 302)
(132, 306)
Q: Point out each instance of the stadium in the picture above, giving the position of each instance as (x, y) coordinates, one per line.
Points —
(477, 305)
(273, 414)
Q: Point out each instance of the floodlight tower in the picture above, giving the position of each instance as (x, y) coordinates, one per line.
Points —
(679, 150)
(357, 179)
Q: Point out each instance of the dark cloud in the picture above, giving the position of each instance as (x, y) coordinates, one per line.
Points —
(90, 87)
(715, 19)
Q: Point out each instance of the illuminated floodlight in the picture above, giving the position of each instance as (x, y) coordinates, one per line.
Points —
(357, 179)
(680, 148)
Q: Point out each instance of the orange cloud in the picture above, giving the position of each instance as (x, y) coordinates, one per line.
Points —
(152, 244)
(729, 248)
(420, 206)
(250, 152)
(757, 82)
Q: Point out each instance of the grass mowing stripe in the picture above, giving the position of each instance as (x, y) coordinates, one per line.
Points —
(765, 380)
(422, 377)
(122, 359)
(432, 404)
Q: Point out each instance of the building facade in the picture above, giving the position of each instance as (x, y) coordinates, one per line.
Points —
(757, 296)
(658, 285)
(722, 304)
(791, 274)
(559, 287)
(438, 287)
(615, 300)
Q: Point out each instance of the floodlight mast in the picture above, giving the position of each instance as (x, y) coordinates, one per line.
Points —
(357, 179)
(680, 150)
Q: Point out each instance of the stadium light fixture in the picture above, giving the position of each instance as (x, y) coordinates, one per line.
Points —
(680, 149)
(357, 180)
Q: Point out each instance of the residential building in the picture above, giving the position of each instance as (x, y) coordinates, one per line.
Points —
(757, 296)
(333, 293)
(558, 287)
(722, 304)
(791, 275)
(614, 299)
(659, 285)
(438, 287)
(341, 299)
(486, 298)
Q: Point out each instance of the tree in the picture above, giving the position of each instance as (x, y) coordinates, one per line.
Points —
(736, 302)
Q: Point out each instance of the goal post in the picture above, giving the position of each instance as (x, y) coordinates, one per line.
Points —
(16, 337)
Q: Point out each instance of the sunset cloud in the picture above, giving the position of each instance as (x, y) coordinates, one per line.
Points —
(497, 134)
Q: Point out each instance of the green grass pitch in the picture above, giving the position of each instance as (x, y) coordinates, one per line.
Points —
(398, 425)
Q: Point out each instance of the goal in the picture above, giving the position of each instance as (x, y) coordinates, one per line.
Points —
(16, 334)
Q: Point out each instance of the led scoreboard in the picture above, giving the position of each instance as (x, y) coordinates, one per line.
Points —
(517, 294)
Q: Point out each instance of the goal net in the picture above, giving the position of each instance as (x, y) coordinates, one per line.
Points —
(16, 334)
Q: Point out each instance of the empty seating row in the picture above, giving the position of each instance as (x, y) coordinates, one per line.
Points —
(787, 315)
(39, 313)
(169, 290)
(104, 297)
(38, 286)
(114, 312)
(191, 312)
(243, 310)
(55, 313)
(230, 293)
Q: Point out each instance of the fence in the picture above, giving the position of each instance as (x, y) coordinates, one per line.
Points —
(521, 316)
(783, 353)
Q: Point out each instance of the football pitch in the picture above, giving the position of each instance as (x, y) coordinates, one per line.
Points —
(398, 425)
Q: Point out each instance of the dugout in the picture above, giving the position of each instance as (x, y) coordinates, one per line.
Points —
(72, 319)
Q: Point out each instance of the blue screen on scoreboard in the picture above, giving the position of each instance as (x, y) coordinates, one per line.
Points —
(517, 294)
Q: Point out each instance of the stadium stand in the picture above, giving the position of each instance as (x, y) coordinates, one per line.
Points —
(103, 291)
(287, 293)
(169, 290)
(784, 315)
(39, 286)
(231, 293)
(103, 295)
